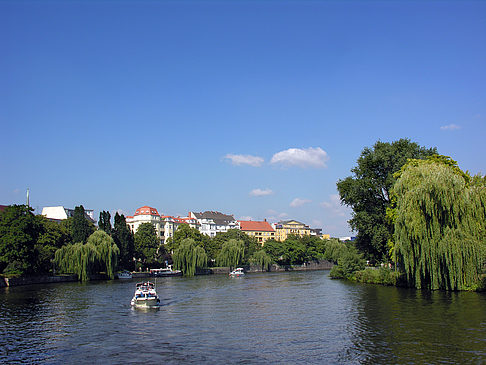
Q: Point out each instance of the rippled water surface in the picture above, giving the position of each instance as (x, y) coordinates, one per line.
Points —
(300, 317)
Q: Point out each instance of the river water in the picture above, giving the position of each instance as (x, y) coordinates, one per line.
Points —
(267, 318)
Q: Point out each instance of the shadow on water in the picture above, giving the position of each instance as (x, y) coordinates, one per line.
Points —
(410, 326)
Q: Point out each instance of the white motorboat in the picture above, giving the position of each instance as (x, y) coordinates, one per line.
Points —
(165, 272)
(125, 274)
(145, 296)
(237, 272)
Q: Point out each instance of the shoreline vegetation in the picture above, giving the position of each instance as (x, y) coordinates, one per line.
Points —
(413, 210)
(49, 279)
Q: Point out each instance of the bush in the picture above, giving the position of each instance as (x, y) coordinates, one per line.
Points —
(383, 276)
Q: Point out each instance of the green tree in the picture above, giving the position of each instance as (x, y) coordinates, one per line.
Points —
(125, 241)
(440, 225)
(146, 244)
(82, 227)
(274, 249)
(216, 243)
(52, 236)
(185, 231)
(104, 222)
(294, 251)
(262, 259)
(349, 261)
(100, 253)
(367, 192)
(189, 257)
(231, 253)
(19, 230)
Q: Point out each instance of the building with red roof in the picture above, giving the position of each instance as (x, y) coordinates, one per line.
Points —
(145, 214)
(261, 230)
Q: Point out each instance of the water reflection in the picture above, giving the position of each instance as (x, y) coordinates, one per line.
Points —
(409, 326)
(262, 318)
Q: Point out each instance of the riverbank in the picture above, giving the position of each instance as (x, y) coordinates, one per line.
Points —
(42, 279)
(46, 279)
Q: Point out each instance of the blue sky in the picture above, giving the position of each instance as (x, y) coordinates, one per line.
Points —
(251, 108)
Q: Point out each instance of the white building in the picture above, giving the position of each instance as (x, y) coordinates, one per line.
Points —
(170, 225)
(61, 213)
(211, 223)
(146, 214)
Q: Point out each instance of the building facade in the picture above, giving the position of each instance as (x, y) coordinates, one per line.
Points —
(261, 230)
(60, 213)
(210, 223)
(146, 214)
(291, 227)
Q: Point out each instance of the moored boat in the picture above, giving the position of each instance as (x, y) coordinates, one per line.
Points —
(145, 296)
(237, 272)
(165, 272)
(125, 274)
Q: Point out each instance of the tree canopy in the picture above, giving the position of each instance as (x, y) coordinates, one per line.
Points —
(189, 257)
(440, 225)
(104, 222)
(82, 227)
(146, 243)
(231, 253)
(367, 192)
(124, 239)
(99, 254)
(19, 230)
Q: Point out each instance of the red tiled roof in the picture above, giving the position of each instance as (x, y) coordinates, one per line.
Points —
(256, 226)
(146, 210)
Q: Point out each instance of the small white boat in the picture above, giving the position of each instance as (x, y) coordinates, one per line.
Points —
(165, 272)
(145, 296)
(125, 274)
(237, 272)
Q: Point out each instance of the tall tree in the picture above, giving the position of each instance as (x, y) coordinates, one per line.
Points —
(104, 223)
(19, 230)
(52, 236)
(262, 259)
(185, 231)
(367, 192)
(217, 242)
(124, 239)
(82, 227)
(99, 254)
(231, 254)
(146, 243)
(189, 257)
(440, 226)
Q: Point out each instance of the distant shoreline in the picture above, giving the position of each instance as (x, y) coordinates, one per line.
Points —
(47, 279)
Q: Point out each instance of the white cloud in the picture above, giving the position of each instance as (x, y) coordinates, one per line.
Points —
(275, 216)
(450, 127)
(245, 218)
(307, 157)
(260, 192)
(297, 202)
(254, 161)
(334, 206)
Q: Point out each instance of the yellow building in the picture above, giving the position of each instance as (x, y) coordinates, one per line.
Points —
(286, 228)
(262, 231)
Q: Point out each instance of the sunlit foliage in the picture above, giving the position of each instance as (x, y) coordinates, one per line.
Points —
(231, 253)
(440, 226)
(99, 254)
(188, 257)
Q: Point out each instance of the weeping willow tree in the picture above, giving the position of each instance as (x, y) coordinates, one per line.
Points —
(439, 226)
(262, 259)
(99, 254)
(189, 257)
(231, 253)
